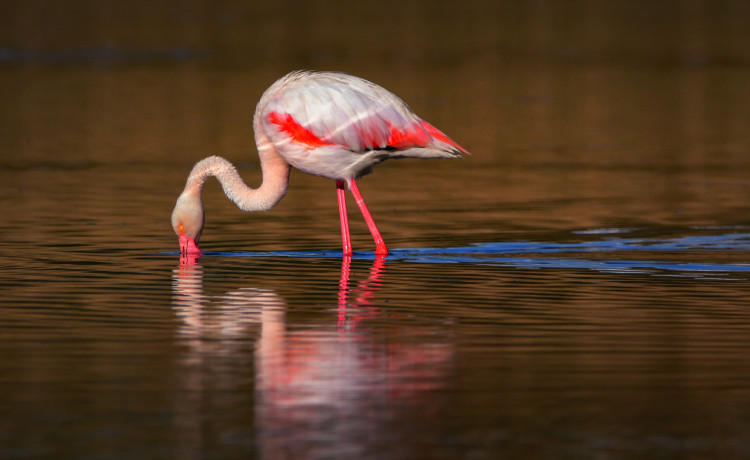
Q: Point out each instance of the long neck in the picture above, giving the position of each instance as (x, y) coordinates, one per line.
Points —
(271, 191)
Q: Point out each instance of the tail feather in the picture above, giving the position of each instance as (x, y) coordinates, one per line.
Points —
(436, 150)
(443, 140)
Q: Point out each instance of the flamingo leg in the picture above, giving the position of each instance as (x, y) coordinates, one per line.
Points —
(345, 238)
(380, 247)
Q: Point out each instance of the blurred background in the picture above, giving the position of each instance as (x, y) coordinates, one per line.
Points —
(510, 76)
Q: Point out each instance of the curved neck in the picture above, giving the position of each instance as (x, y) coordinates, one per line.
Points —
(271, 191)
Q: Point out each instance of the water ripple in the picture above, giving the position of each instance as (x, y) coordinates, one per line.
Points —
(574, 254)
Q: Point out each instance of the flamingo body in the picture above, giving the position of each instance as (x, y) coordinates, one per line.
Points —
(338, 126)
(329, 124)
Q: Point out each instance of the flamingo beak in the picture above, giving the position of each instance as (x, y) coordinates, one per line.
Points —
(188, 246)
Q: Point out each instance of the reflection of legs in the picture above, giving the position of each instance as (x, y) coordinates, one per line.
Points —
(347, 241)
(365, 290)
(380, 247)
(346, 264)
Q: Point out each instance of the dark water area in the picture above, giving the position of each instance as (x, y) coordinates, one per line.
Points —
(578, 287)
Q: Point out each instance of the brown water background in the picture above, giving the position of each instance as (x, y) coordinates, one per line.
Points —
(577, 288)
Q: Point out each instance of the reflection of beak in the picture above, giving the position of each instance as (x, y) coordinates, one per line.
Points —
(188, 246)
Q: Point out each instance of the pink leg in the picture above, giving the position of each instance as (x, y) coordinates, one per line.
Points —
(341, 193)
(380, 247)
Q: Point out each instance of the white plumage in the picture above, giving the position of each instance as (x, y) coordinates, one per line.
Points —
(358, 124)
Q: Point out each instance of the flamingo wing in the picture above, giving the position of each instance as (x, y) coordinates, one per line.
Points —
(318, 109)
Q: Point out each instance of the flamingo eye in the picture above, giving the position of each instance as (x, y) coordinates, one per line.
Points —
(181, 228)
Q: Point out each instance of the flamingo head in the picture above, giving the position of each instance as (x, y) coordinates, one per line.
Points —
(187, 223)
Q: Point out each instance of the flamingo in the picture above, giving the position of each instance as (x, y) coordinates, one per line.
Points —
(328, 124)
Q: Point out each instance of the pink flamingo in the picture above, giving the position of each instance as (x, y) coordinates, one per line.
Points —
(328, 124)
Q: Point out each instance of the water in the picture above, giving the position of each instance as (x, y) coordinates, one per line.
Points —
(577, 288)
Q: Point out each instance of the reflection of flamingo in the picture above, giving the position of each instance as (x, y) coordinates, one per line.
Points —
(230, 316)
(323, 123)
(320, 392)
